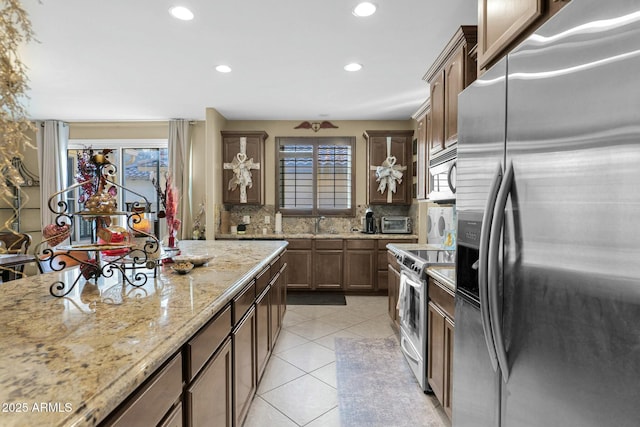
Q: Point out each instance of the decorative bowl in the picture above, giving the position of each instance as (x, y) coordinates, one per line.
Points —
(182, 267)
(196, 260)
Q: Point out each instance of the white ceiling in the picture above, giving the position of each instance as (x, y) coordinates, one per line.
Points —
(121, 60)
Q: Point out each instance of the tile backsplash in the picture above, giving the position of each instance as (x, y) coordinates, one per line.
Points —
(294, 224)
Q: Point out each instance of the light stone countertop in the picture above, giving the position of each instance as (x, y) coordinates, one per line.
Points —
(82, 355)
(345, 235)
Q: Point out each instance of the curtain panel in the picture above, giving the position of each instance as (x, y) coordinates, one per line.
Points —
(180, 167)
(52, 138)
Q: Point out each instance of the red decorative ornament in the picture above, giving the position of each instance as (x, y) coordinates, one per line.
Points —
(55, 234)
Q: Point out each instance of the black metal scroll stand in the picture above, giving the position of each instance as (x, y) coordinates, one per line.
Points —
(132, 258)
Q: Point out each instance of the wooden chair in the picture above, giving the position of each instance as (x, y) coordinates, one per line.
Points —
(14, 243)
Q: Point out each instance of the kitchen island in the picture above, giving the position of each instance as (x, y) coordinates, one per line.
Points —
(72, 361)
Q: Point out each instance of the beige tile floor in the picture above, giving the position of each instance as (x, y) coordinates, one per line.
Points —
(299, 386)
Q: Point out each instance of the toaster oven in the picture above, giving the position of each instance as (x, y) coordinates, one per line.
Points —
(395, 225)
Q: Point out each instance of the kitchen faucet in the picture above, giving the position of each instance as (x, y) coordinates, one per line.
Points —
(317, 228)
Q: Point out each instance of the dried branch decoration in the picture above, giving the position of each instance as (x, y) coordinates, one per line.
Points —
(15, 28)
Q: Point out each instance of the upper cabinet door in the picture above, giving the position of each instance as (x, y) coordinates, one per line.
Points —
(424, 124)
(454, 78)
(389, 150)
(503, 25)
(501, 22)
(243, 167)
(437, 113)
(453, 71)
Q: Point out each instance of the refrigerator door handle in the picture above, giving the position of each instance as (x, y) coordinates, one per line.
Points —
(493, 276)
(483, 265)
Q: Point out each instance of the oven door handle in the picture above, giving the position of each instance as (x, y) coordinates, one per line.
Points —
(409, 281)
(493, 271)
(483, 262)
(407, 351)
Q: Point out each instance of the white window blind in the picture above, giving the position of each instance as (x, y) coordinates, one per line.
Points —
(315, 176)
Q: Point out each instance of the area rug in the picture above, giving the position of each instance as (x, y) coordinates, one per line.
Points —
(315, 298)
(376, 387)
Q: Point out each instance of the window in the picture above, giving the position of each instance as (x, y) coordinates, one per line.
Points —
(137, 162)
(315, 176)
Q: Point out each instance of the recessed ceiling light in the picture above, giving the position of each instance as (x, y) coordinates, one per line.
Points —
(181, 12)
(354, 66)
(364, 9)
(223, 68)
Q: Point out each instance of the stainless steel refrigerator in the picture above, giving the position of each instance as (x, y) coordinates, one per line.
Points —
(547, 320)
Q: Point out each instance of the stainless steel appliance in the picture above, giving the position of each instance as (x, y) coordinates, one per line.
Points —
(395, 225)
(548, 286)
(442, 176)
(412, 306)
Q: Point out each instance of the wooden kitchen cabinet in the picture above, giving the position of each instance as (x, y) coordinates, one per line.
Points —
(423, 125)
(454, 70)
(360, 264)
(154, 401)
(275, 305)
(244, 365)
(299, 256)
(394, 288)
(213, 378)
(503, 25)
(440, 320)
(209, 398)
(436, 143)
(328, 264)
(263, 331)
(377, 153)
(231, 151)
(448, 366)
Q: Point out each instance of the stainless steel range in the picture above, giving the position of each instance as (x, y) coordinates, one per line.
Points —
(412, 305)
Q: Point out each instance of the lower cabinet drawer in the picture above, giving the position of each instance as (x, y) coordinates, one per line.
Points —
(149, 405)
(206, 341)
(243, 302)
(363, 244)
(208, 400)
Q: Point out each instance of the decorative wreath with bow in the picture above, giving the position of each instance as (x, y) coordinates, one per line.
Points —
(389, 174)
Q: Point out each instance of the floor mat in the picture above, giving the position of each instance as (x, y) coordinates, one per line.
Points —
(376, 387)
(315, 298)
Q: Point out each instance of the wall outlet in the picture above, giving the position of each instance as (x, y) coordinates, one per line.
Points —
(246, 219)
(267, 219)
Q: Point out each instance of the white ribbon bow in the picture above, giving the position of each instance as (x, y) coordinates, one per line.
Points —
(241, 171)
(389, 174)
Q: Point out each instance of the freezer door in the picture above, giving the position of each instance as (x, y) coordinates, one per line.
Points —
(481, 139)
(571, 272)
(475, 384)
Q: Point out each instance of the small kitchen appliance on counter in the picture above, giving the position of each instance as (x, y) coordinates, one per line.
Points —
(369, 222)
(395, 225)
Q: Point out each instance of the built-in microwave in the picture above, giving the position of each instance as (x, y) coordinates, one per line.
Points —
(395, 225)
(442, 177)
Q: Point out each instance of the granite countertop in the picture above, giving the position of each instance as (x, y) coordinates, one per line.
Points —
(344, 235)
(444, 275)
(82, 355)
